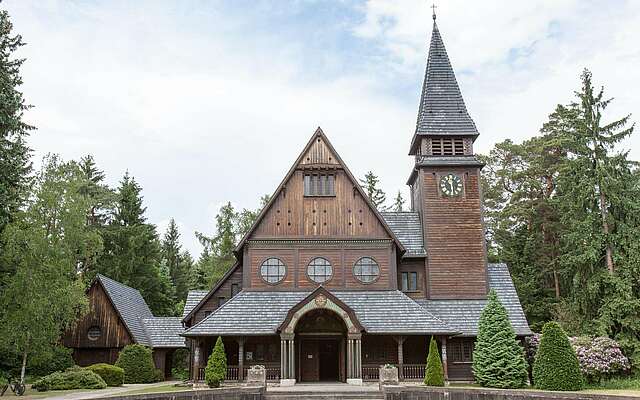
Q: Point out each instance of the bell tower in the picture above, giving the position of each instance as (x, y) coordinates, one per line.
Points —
(445, 184)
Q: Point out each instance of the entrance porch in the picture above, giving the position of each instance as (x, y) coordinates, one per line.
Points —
(322, 357)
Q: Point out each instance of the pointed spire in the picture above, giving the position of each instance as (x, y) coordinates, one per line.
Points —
(442, 110)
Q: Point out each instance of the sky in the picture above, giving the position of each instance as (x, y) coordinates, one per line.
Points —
(205, 102)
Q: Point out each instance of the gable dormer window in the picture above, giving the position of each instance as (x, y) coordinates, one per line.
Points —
(319, 185)
(447, 146)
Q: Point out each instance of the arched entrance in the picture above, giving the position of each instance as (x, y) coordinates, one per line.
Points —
(321, 335)
(324, 324)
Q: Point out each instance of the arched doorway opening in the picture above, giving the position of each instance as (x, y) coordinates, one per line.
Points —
(320, 334)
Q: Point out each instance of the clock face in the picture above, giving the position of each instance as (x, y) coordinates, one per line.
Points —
(451, 185)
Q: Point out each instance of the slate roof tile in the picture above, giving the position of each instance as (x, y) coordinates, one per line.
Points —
(261, 313)
(442, 110)
(193, 298)
(407, 227)
(164, 331)
(130, 305)
(463, 315)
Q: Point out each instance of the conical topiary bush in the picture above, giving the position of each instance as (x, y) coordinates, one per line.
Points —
(434, 374)
(556, 365)
(498, 358)
(216, 369)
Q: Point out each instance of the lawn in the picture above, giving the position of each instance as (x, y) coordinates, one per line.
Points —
(156, 389)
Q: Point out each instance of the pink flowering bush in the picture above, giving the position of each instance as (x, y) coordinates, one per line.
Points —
(599, 357)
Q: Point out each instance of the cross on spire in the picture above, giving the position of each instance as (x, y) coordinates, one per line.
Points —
(433, 7)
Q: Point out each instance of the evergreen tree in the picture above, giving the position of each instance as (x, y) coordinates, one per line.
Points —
(15, 164)
(376, 195)
(556, 366)
(176, 261)
(100, 200)
(44, 243)
(216, 369)
(132, 251)
(398, 203)
(434, 373)
(498, 359)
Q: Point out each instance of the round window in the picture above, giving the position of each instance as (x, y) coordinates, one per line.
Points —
(319, 270)
(273, 270)
(94, 333)
(366, 270)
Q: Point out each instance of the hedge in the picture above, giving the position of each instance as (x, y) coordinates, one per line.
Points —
(556, 366)
(434, 374)
(73, 378)
(137, 362)
(599, 357)
(112, 375)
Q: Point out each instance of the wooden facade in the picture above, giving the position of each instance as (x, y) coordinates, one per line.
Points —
(110, 336)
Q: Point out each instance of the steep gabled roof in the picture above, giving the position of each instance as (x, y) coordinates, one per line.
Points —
(207, 296)
(130, 305)
(319, 134)
(442, 110)
(193, 299)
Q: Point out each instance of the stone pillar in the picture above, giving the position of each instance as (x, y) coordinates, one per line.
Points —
(240, 341)
(400, 340)
(445, 364)
(287, 360)
(197, 355)
(354, 359)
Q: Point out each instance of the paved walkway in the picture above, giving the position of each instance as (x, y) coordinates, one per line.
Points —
(110, 391)
(325, 387)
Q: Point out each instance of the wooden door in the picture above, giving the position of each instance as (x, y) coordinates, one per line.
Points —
(309, 361)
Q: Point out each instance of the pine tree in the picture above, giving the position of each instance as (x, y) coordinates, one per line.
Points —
(376, 195)
(175, 260)
(216, 369)
(398, 203)
(556, 366)
(434, 373)
(15, 164)
(132, 252)
(498, 359)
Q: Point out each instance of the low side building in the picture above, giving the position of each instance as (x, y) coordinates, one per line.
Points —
(118, 316)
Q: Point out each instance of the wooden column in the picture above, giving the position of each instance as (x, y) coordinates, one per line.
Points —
(283, 359)
(354, 357)
(400, 341)
(287, 358)
(240, 341)
(197, 355)
(445, 364)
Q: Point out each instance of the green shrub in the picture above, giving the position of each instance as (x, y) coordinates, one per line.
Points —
(137, 362)
(434, 374)
(112, 375)
(498, 359)
(216, 368)
(180, 363)
(158, 375)
(556, 365)
(70, 379)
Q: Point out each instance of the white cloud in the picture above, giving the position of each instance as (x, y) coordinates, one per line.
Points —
(203, 107)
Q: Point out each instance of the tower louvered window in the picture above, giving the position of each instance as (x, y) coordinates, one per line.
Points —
(447, 146)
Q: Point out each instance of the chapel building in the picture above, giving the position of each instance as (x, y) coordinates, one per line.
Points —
(328, 288)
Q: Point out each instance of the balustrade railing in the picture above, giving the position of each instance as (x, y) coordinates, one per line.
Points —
(370, 372)
(413, 371)
(273, 373)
